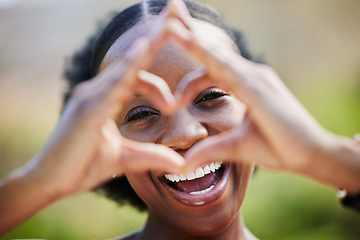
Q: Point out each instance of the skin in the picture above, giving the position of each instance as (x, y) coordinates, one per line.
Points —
(65, 166)
(274, 121)
(280, 133)
(181, 131)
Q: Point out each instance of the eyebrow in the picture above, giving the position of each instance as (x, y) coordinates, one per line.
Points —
(137, 96)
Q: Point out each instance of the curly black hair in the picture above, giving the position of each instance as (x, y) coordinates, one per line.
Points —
(85, 63)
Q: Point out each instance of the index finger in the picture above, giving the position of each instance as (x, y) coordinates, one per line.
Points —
(193, 83)
(224, 66)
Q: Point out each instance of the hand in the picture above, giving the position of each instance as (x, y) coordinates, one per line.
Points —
(86, 148)
(280, 134)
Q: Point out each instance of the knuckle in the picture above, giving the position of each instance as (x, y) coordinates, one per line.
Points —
(81, 100)
(79, 90)
(76, 91)
(267, 70)
(127, 59)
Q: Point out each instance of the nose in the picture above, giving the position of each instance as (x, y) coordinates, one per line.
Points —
(182, 131)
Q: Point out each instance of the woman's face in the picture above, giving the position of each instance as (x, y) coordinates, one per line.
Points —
(209, 203)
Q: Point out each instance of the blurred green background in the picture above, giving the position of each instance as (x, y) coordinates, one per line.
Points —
(314, 46)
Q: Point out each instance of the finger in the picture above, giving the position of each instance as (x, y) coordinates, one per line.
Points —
(120, 76)
(242, 144)
(222, 147)
(157, 90)
(216, 60)
(138, 157)
(118, 80)
(116, 84)
(254, 148)
(178, 9)
(216, 148)
(158, 35)
(102, 97)
(188, 88)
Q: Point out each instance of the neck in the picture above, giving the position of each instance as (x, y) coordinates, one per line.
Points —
(157, 228)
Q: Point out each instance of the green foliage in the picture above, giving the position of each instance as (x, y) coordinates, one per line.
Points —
(86, 216)
(284, 206)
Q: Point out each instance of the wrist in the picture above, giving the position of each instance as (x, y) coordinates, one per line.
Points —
(14, 207)
(312, 154)
(45, 183)
(337, 163)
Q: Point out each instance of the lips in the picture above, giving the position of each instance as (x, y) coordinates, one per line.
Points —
(201, 187)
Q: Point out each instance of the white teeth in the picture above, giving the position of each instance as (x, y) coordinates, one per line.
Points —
(212, 167)
(202, 191)
(182, 177)
(200, 172)
(177, 178)
(169, 177)
(191, 176)
(207, 169)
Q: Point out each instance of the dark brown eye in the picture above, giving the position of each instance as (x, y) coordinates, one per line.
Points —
(140, 113)
(210, 95)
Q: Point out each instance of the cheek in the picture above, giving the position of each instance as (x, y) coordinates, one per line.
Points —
(142, 184)
(148, 134)
(224, 118)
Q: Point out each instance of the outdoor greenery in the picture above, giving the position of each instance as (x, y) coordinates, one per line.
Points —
(314, 46)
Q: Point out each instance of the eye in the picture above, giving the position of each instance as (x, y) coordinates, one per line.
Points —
(140, 113)
(210, 96)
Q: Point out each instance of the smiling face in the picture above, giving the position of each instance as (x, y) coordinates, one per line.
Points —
(206, 202)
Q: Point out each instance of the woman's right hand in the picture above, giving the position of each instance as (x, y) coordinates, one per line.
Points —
(86, 148)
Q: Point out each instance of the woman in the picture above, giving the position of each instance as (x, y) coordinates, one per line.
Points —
(191, 128)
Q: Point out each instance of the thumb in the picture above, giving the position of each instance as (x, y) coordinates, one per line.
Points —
(222, 147)
(242, 144)
(138, 157)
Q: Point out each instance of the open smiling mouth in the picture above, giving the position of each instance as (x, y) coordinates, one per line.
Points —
(201, 187)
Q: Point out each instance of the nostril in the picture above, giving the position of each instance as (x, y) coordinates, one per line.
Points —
(182, 131)
(183, 150)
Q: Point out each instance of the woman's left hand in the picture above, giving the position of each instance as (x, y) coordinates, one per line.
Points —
(277, 131)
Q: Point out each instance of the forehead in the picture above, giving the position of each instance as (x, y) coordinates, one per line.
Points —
(171, 62)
